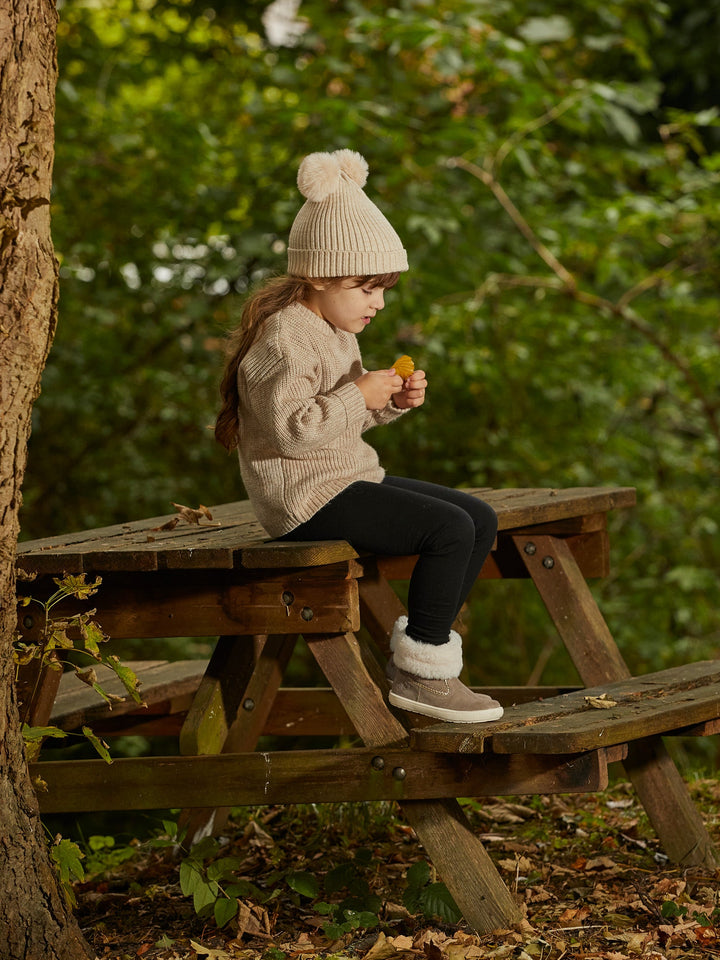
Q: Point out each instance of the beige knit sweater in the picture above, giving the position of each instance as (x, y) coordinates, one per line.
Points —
(302, 418)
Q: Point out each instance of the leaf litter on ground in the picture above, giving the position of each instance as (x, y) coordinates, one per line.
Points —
(587, 870)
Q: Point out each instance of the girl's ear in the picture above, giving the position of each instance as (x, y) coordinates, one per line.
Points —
(318, 285)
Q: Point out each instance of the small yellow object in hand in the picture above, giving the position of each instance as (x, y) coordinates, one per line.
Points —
(404, 366)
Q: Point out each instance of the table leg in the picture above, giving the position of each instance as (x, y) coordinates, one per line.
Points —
(595, 654)
(380, 606)
(230, 708)
(441, 825)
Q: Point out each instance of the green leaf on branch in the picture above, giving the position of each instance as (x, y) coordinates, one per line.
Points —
(100, 746)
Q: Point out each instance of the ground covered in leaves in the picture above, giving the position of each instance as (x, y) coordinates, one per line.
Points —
(591, 878)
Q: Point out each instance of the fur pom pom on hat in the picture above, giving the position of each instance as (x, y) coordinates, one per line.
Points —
(339, 232)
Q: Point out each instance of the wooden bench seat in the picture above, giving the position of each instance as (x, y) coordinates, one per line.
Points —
(168, 688)
(682, 699)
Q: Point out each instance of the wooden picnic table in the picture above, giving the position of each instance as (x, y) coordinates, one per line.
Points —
(224, 578)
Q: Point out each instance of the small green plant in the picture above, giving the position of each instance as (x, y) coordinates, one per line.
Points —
(424, 895)
(359, 908)
(66, 856)
(214, 885)
(343, 895)
(104, 853)
(51, 650)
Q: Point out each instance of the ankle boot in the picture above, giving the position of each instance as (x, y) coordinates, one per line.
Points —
(425, 680)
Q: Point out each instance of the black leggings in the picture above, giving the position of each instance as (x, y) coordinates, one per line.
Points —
(452, 532)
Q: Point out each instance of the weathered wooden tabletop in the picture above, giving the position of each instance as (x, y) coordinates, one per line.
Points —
(234, 537)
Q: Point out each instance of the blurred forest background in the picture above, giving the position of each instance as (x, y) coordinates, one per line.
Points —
(553, 169)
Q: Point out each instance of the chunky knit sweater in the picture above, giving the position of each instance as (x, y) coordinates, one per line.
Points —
(302, 418)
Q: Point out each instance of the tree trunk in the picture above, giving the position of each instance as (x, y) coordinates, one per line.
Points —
(35, 921)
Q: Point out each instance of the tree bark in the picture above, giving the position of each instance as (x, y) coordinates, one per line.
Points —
(36, 922)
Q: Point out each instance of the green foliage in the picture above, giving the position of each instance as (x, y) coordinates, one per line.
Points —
(211, 885)
(104, 853)
(343, 895)
(59, 636)
(429, 897)
(553, 171)
(66, 856)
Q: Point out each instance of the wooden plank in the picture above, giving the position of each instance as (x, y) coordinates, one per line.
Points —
(259, 682)
(572, 607)
(526, 507)
(37, 687)
(709, 728)
(675, 818)
(133, 545)
(160, 682)
(221, 693)
(360, 685)
(301, 554)
(646, 706)
(141, 545)
(441, 825)
(656, 702)
(211, 603)
(655, 777)
(571, 526)
(296, 712)
(315, 776)
(380, 606)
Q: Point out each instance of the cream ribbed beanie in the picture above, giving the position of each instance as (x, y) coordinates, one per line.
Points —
(339, 232)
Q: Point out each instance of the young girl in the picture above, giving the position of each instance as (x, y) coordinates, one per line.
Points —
(296, 401)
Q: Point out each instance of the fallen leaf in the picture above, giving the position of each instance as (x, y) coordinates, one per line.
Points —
(603, 702)
(191, 515)
(252, 919)
(168, 525)
(601, 863)
(257, 836)
(707, 937)
(432, 951)
(577, 915)
(381, 949)
(402, 942)
(209, 953)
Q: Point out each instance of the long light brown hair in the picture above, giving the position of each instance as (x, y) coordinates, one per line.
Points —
(273, 296)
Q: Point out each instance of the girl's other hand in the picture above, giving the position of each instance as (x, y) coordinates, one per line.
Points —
(413, 391)
(377, 387)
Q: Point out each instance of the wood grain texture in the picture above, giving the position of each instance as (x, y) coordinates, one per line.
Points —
(312, 776)
(235, 538)
(656, 703)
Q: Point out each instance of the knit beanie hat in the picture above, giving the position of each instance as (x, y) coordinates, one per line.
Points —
(339, 232)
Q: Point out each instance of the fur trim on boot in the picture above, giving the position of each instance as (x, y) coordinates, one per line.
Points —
(398, 631)
(441, 662)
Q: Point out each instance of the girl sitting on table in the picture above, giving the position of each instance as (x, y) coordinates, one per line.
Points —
(296, 401)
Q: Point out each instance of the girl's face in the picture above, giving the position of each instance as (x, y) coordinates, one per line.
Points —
(346, 306)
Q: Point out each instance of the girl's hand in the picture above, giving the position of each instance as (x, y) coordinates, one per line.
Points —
(413, 391)
(377, 387)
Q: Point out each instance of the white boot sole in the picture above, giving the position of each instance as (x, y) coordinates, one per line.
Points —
(441, 713)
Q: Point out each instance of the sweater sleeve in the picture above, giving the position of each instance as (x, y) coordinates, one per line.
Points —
(296, 417)
(388, 414)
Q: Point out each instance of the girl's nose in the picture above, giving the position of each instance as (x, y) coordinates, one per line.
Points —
(378, 300)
